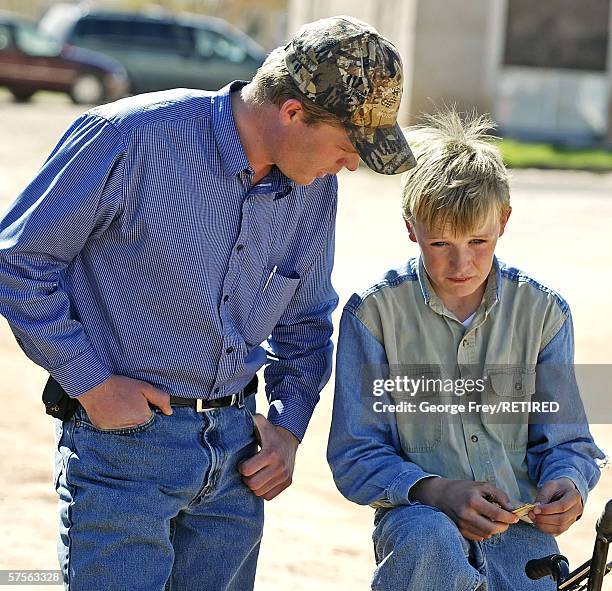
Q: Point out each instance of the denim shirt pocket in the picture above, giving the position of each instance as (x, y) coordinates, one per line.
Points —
(270, 302)
(510, 385)
(418, 431)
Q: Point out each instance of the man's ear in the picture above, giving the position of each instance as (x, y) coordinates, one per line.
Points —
(291, 110)
(410, 229)
(502, 225)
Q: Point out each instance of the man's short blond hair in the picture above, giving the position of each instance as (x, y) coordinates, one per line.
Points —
(272, 83)
(460, 178)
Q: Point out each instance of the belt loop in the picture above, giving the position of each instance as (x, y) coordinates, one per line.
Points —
(240, 401)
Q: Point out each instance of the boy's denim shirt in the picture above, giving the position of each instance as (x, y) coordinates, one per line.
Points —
(401, 326)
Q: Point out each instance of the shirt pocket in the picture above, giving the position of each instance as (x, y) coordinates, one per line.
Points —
(514, 388)
(419, 431)
(270, 302)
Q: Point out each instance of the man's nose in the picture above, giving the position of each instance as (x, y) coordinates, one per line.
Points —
(354, 163)
(351, 162)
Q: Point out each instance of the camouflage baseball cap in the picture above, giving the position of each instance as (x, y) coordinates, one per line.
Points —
(347, 68)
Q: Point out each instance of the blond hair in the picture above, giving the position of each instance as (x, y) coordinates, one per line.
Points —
(272, 83)
(460, 177)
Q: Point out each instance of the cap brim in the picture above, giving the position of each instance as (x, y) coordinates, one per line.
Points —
(384, 149)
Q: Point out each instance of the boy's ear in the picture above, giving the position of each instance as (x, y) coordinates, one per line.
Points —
(504, 221)
(410, 231)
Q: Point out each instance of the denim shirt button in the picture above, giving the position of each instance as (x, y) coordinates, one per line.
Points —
(474, 438)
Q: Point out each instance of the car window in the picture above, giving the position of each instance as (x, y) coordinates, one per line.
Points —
(30, 41)
(5, 37)
(147, 34)
(210, 43)
(100, 27)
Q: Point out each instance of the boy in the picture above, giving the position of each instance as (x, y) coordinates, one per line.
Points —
(445, 483)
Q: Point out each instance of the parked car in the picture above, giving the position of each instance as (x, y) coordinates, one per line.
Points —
(30, 61)
(160, 51)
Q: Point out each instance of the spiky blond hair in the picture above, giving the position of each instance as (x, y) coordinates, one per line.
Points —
(460, 177)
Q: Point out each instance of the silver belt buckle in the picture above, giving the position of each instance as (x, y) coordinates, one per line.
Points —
(200, 406)
(235, 398)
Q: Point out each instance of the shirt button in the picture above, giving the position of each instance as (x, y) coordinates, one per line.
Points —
(239, 247)
(465, 343)
(229, 350)
(474, 438)
(225, 298)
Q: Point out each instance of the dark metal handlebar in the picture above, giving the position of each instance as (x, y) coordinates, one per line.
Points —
(554, 566)
(600, 551)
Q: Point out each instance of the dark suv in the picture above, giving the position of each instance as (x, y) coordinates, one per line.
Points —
(160, 51)
(30, 61)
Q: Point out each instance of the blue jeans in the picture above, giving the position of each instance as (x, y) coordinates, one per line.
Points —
(160, 506)
(418, 547)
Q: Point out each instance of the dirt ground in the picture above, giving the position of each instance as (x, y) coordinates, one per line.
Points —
(314, 538)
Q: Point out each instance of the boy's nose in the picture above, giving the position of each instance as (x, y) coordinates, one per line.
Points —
(460, 261)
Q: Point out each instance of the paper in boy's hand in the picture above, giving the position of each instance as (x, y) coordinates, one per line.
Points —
(523, 509)
(522, 512)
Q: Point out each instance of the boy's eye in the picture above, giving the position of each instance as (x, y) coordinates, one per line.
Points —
(478, 241)
(438, 244)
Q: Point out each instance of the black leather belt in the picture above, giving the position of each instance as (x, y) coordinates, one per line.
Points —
(205, 404)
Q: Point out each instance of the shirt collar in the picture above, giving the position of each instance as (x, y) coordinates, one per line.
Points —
(274, 183)
(489, 298)
(233, 156)
(491, 295)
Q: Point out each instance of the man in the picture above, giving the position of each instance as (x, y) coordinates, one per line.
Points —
(166, 237)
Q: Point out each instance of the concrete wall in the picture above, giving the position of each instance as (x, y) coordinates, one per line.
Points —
(447, 46)
(452, 49)
(455, 57)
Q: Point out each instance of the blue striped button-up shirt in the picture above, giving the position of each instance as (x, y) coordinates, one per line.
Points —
(142, 249)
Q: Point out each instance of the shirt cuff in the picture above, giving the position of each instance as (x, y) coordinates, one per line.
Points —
(399, 490)
(81, 374)
(291, 416)
(575, 476)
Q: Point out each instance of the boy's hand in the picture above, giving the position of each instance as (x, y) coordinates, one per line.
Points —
(471, 505)
(560, 505)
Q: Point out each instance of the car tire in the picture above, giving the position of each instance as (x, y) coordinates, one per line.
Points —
(87, 89)
(20, 95)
